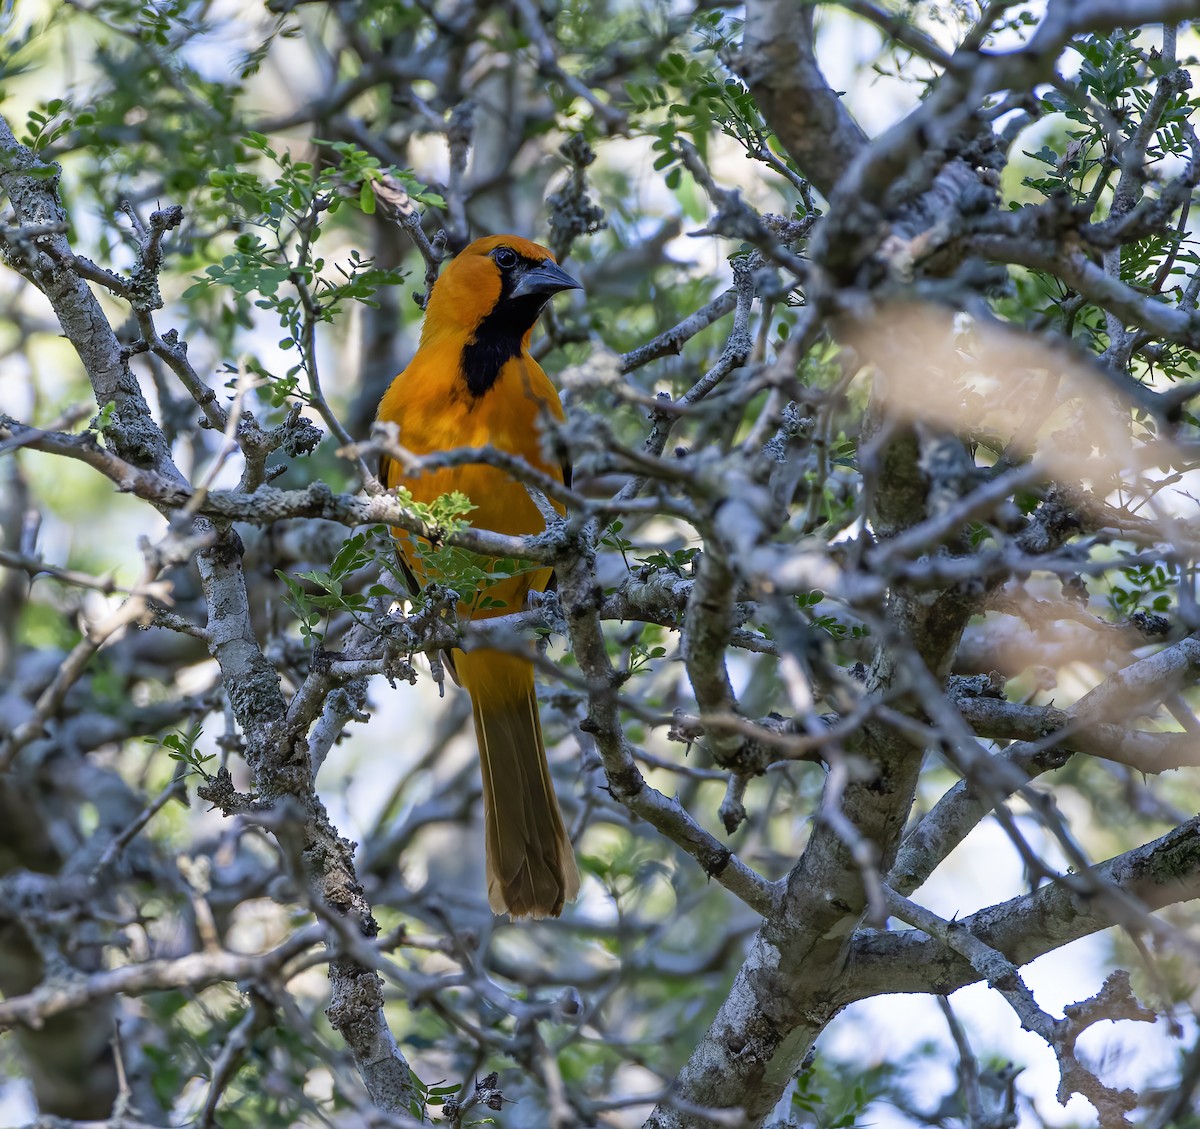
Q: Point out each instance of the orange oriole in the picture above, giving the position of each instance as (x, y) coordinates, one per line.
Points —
(472, 383)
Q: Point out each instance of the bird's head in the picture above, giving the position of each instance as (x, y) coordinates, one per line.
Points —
(497, 285)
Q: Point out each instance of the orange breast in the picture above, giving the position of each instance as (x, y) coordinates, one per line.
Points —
(435, 412)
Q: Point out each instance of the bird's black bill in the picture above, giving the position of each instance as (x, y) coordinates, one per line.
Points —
(543, 278)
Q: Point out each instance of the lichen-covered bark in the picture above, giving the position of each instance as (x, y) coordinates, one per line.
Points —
(779, 64)
(1158, 874)
(278, 756)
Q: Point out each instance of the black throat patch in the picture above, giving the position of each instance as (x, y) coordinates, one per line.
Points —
(498, 338)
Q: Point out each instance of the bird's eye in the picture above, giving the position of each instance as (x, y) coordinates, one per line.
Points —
(506, 258)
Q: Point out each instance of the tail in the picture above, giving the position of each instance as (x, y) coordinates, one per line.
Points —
(531, 867)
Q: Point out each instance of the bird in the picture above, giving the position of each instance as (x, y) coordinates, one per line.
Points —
(472, 383)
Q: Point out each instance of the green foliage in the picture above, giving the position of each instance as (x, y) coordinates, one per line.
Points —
(181, 746)
(433, 1094)
(677, 561)
(1146, 587)
(471, 575)
(693, 96)
(831, 1095)
(315, 595)
(283, 269)
(42, 626)
(269, 1089)
(45, 126)
(645, 650)
(611, 539)
(326, 591)
(1115, 87)
(103, 419)
(826, 621)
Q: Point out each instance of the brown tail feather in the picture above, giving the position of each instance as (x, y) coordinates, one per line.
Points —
(531, 867)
